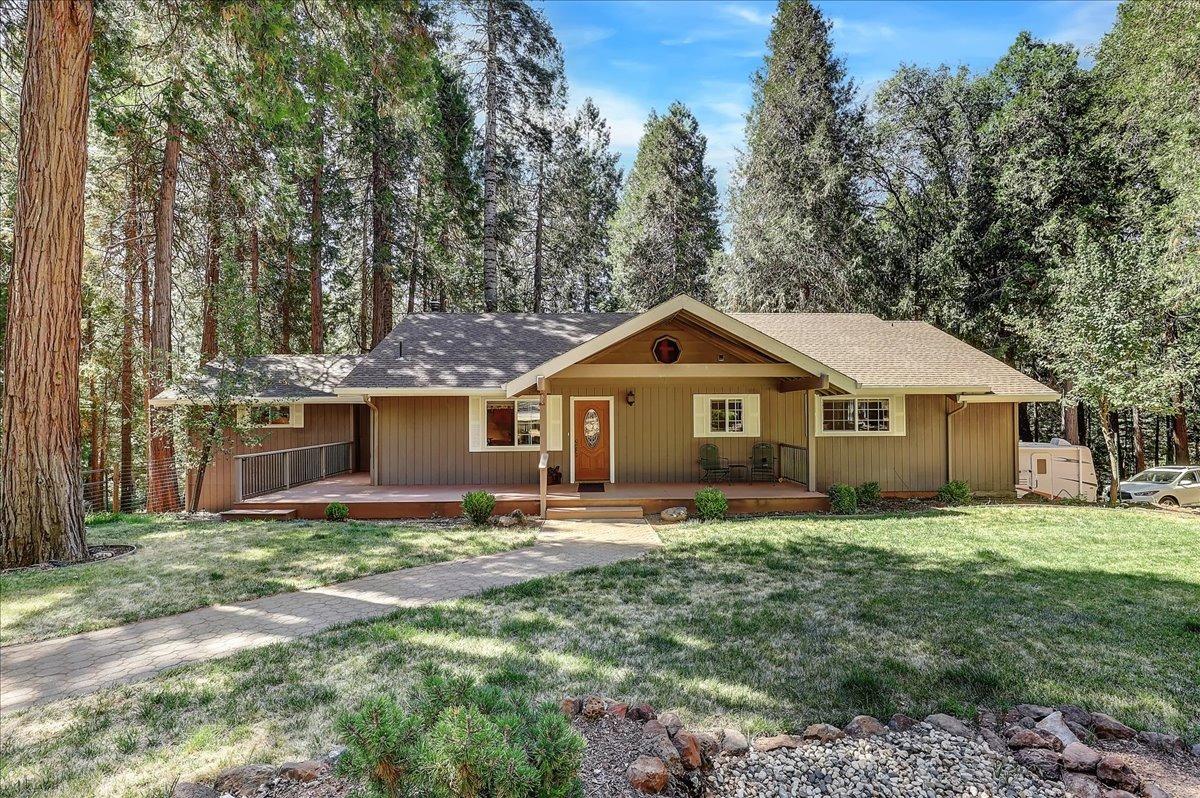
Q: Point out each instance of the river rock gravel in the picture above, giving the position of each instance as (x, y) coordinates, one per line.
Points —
(922, 762)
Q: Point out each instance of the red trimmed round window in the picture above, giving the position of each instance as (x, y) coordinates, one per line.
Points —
(666, 350)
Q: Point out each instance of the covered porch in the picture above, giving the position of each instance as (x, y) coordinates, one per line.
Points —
(367, 501)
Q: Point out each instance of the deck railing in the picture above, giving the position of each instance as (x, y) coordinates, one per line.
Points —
(793, 463)
(265, 472)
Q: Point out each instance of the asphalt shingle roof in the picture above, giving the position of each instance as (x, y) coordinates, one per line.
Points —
(292, 377)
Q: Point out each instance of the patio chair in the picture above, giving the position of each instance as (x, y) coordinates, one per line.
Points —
(713, 467)
(762, 463)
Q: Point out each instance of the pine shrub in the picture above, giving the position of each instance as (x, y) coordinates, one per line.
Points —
(843, 499)
(478, 506)
(954, 492)
(336, 511)
(711, 504)
(869, 494)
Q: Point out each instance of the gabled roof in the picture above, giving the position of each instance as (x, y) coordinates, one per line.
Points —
(267, 377)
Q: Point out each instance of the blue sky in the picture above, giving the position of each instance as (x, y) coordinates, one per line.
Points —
(634, 55)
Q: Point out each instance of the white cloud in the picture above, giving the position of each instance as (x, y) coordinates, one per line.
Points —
(626, 115)
(751, 14)
(1086, 24)
(582, 35)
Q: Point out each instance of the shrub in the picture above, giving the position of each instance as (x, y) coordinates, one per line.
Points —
(711, 504)
(843, 499)
(954, 492)
(336, 511)
(456, 737)
(478, 505)
(869, 494)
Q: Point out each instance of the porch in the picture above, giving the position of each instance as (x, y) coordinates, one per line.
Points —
(367, 501)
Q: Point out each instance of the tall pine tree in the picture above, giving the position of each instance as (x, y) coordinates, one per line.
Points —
(665, 232)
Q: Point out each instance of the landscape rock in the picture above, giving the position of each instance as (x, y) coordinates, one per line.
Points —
(1082, 785)
(1041, 761)
(648, 774)
(657, 742)
(1107, 727)
(306, 771)
(865, 726)
(593, 707)
(986, 719)
(506, 521)
(734, 742)
(243, 780)
(335, 754)
(1034, 738)
(1035, 711)
(187, 789)
(765, 744)
(950, 725)
(823, 732)
(1117, 793)
(1196, 749)
(673, 515)
(1114, 771)
(1084, 733)
(570, 706)
(642, 712)
(670, 722)
(995, 742)
(901, 722)
(1080, 758)
(1166, 742)
(1077, 715)
(1057, 725)
(689, 749)
(618, 710)
(1153, 791)
(710, 746)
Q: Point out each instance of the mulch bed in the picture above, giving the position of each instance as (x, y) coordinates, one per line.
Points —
(1176, 772)
(99, 553)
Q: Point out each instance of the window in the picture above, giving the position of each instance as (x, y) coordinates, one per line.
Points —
(272, 416)
(513, 423)
(726, 415)
(855, 415)
(667, 350)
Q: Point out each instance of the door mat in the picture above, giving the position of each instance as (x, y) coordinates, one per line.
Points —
(591, 487)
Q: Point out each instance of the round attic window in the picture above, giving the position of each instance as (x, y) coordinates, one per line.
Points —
(666, 350)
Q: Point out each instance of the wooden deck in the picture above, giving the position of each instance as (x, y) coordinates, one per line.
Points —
(369, 501)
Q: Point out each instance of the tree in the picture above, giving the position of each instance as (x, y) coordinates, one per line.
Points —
(41, 511)
(665, 231)
(795, 210)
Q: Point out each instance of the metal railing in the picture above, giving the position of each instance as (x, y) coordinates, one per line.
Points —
(266, 472)
(793, 463)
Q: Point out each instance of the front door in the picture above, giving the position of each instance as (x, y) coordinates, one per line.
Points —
(591, 440)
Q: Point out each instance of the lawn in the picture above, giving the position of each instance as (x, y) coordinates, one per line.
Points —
(181, 565)
(763, 624)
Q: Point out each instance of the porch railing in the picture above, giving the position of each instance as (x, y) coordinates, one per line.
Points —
(265, 472)
(793, 463)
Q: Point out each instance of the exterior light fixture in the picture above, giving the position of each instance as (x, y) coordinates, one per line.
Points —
(629, 398)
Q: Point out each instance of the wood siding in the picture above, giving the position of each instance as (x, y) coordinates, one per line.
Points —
(915, 462)
(323, 423)
(696, 345)
(423, 440)
(983, 439)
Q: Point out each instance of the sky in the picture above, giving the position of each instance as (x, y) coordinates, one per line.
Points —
(631, 56)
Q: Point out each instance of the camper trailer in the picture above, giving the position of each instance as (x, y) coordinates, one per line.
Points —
(1056, 470)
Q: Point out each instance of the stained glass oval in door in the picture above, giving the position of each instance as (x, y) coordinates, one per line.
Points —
(591, 428)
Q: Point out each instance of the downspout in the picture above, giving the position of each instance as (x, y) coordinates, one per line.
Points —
(949, 444)
(369, 402)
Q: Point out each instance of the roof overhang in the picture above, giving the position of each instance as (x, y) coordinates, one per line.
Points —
(664, 310)
(188, 401)
(437, 391)
(973, 398)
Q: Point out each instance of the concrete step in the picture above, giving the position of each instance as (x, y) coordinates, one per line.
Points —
(258, 515)
(602, 512)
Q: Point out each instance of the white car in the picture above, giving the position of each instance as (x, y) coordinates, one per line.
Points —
(1170, 486)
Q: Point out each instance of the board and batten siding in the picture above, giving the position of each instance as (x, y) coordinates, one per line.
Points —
(983, 447)
(914, 462)
(323, 423)
(424, 440)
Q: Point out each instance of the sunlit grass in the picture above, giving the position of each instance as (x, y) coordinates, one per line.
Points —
(182, 565)
(764, 624)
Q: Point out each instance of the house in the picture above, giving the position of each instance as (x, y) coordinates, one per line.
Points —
(621, 403)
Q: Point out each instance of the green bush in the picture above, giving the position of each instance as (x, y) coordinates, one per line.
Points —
(336, 511)
(711, 504)
(869, 494)
(843, 499)
(478, 505)
(455, 737)
(954, 492)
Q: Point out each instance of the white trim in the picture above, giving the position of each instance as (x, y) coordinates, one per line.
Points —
(897, 417)
(702, 415)
(665, 310)
(1008, 397)
(612, 438)
(477, 424)
(924, 389)
(295, 415)
(635, 371)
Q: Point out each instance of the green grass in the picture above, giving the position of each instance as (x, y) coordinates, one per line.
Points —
(763, 624)
(182, 565)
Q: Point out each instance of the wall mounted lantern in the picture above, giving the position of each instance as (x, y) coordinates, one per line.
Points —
(630, 398)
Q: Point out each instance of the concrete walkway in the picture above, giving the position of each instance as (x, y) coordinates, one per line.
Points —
(33, 673)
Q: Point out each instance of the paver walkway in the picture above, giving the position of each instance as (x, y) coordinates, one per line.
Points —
(32, 673)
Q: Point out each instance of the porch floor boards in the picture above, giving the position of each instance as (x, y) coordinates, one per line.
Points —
(367, 501)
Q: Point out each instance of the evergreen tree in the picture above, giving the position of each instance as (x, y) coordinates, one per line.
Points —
(795, 210)
(665, 231)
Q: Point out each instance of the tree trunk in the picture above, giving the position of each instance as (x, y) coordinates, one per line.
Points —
(1179, 432)
(41, 513)
(162, 492)
(1110, 443)
(125, 468)
(1139, 442)
(490, 177)
(254, 266)
(414, 263)
(1070, 422)
(1114, 424)
(538, 232)
(202, 467)
(285, 301)
(364, 284)
(1023, 428)
(381, 261)
(212, 273)
(316, 230)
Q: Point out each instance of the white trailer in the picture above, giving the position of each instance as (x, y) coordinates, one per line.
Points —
(1056, 470)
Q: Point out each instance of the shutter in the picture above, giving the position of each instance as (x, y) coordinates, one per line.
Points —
(700, 420)
(475, 437)
(896, 408)
(554, 443)
(751, 416)
(296, 415)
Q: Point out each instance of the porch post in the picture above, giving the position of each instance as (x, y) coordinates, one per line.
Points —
(811, 427)
(543, 444)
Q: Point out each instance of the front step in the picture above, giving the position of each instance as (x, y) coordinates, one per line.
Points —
(258, 515)
(598, 512)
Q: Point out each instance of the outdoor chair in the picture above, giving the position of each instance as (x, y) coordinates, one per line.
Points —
(762, 463)
(713, 467)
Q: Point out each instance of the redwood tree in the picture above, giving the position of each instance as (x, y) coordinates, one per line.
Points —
(41, 510)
